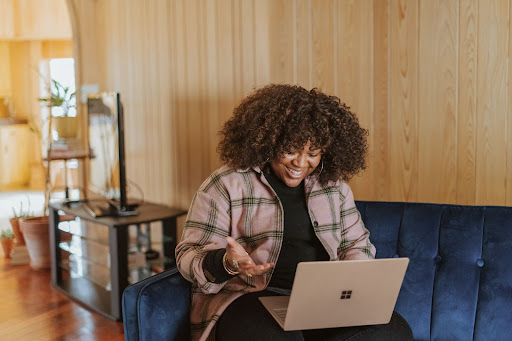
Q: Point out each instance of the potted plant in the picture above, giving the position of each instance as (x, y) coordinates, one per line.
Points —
(7, 240)
(36, 230)
(15, 222)
(62, 99)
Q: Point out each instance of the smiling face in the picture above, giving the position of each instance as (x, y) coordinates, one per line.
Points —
(295, 166)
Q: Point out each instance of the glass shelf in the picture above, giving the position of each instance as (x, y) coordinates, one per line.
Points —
(81, 268)
(88, 250)
(99, 255)
(100, 275)
(86, 230)
(95, 232)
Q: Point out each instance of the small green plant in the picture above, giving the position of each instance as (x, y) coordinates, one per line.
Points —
(6, 234)
(60, 96)
(21, 213)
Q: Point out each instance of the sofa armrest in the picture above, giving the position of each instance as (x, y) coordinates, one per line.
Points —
(157, 308)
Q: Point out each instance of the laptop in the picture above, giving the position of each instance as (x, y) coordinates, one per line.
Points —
(339, 294)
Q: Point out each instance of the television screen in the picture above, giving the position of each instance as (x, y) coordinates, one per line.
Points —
(107, 174)
(103, 141)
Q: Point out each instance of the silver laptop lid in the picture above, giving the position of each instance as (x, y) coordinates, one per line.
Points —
(344, 293)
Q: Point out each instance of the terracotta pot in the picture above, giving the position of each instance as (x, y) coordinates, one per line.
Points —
(15, 223)
(7, 245)
(36, 231)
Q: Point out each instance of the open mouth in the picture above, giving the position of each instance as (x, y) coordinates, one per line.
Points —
(294, 172)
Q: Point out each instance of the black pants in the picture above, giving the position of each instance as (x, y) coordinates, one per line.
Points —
(246, 319)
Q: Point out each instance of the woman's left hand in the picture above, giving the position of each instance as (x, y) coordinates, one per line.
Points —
(240, 260)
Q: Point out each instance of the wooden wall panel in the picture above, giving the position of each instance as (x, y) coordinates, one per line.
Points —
(508, 188)
(6, 19)
(437, 90)
(403, 88)
(262, 36)
(354, 75)
(246, 21)
(213, 83)
(492, 108)
(5, 70)
(381, 110)
(427, 78)
(302, 38)
(166, 139)
(281, 26)
(41, 19)
(466, 102)
(323, 45)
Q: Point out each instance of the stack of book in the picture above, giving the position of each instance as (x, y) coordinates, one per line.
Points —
(66, 144)
(19, 255)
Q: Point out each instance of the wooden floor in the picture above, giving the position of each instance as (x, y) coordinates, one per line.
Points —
(30, 309)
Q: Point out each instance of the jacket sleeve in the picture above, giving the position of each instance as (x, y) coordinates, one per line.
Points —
(355, 238)
(207, 225)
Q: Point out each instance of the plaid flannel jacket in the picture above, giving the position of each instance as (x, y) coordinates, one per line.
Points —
(242, 204)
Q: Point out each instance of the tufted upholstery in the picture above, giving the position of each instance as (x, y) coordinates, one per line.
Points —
(458, 285)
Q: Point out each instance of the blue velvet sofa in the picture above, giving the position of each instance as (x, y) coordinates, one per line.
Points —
(458, 285)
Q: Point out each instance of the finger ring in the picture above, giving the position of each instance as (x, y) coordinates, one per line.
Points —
(248, 274)
(235, 264)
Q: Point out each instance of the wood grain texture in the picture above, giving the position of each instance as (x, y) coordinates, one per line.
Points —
(493, 40)
(403, 115)
(437, 90)
(508, 188)
(281, 26)
(354, 76)
(429, 79)
(302, 38)
(466, 102)
(322, 45)
(33, 310)
(5, 69)
(7, 19)
(261, 43)
(381, 99)
(41, 19)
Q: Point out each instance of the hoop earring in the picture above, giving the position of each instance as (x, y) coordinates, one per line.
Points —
(321, 168)
(264, 164)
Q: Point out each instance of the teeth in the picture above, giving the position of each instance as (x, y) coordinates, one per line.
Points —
(294, 172)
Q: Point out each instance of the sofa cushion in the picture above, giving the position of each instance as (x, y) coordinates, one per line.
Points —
(157, 308)
(458, 285)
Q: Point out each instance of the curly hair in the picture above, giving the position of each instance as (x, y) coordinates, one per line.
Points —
(279, 118)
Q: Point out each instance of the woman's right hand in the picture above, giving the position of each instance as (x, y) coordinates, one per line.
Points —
(236, 254)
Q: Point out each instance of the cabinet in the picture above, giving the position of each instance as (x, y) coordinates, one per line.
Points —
(13, 157)
(5, 72)
(95, 259)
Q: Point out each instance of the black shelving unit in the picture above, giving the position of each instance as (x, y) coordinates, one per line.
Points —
(97, 275)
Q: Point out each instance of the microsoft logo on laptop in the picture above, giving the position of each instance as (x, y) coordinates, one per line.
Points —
(346, 294)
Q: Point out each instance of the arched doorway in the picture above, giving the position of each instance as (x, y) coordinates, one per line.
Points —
(35, 36)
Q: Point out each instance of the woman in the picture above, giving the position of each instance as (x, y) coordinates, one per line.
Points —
(281, 199)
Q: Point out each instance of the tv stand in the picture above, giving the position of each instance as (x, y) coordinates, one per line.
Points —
(95, 271)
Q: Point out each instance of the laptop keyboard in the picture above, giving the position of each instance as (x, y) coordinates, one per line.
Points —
(281, 312)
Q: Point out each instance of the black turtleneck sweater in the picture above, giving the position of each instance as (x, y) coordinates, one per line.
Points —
(300, 243)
